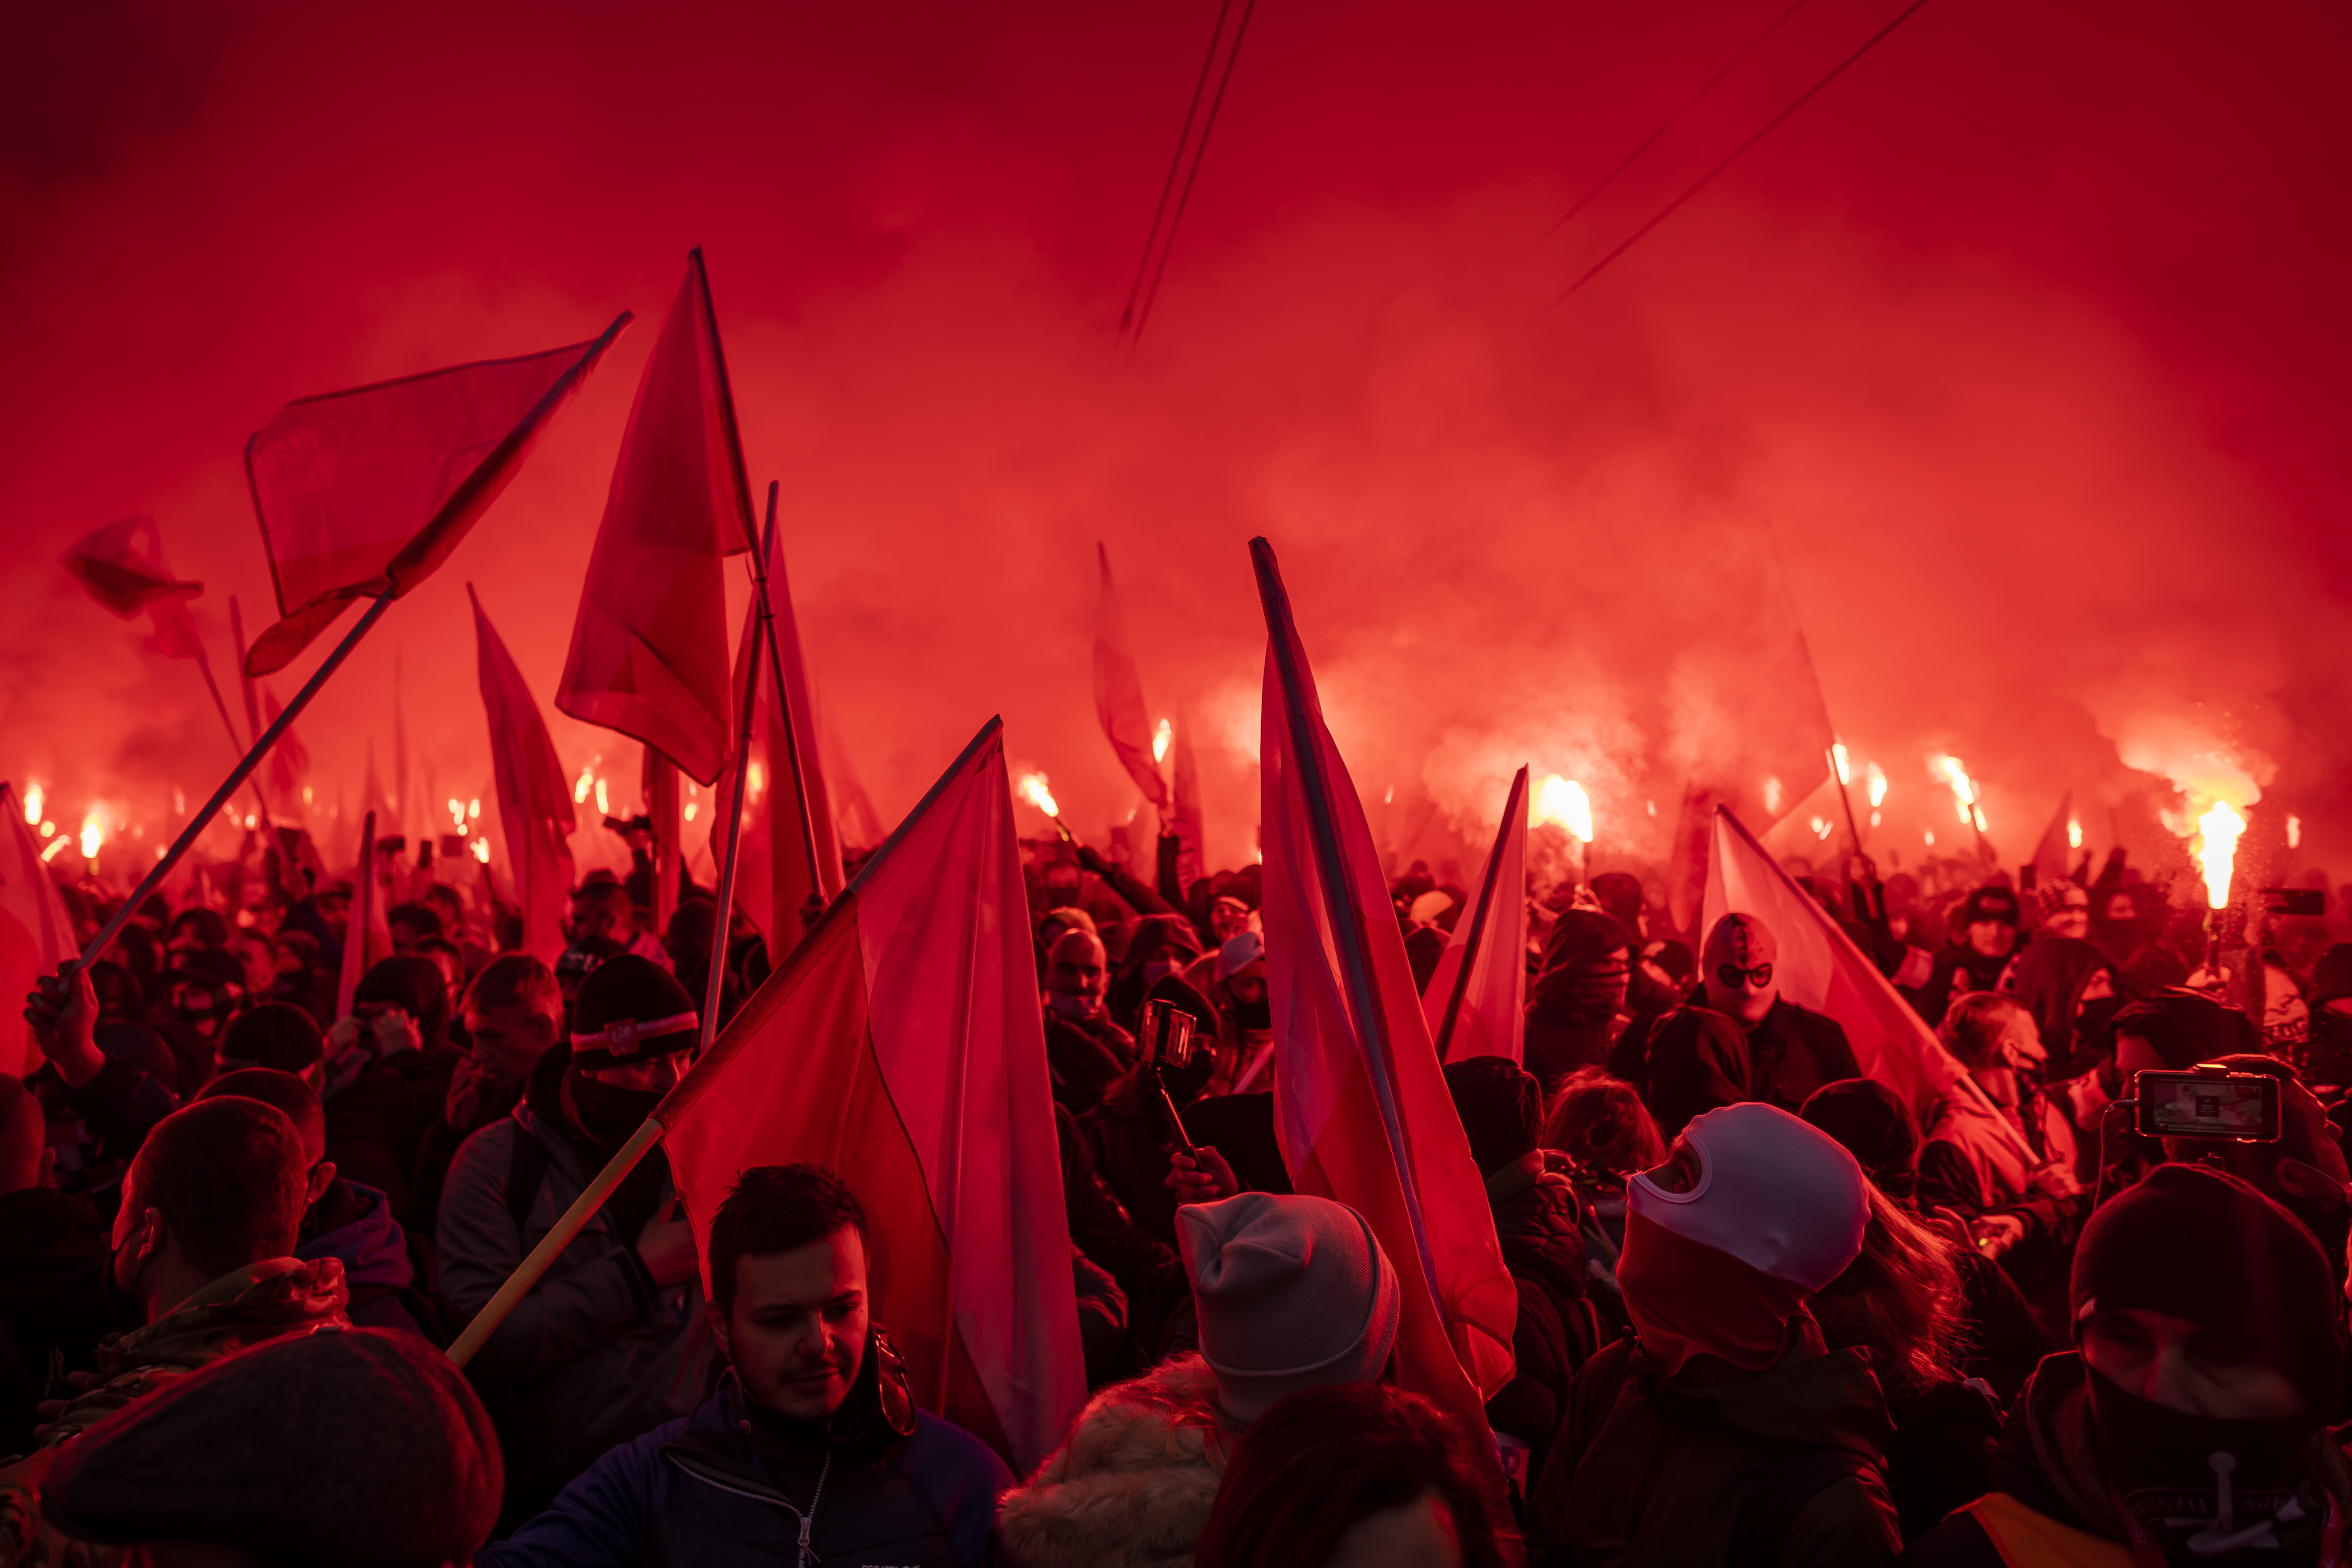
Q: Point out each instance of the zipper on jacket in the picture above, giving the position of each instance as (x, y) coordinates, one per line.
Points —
(808, 1520)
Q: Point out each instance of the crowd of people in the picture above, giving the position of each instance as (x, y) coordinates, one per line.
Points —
(1769, 1311)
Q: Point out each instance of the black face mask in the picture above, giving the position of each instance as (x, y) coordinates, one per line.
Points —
(1257, 1015)
(2204, 1488)
(608, 1114)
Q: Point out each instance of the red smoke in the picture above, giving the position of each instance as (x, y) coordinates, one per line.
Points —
(2023, 339)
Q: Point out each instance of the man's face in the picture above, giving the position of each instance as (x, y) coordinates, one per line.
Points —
(405, 938)
(1990, 938)
(1247, 985)
(1738, 966)
(1228, 918)
(1593, 989)
(199, 1008)
(796, 1329)
(2186, 1367)
(2020, 1044)
(508, 1043)
(1077, 973)
(2071, 918)
(260, 961)
(453, 919)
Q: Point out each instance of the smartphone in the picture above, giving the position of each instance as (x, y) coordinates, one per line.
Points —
(2295, 901)
(1166, 1035)
(2209, 1101)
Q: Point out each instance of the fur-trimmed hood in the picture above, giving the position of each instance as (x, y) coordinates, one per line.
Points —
(1132, 1486)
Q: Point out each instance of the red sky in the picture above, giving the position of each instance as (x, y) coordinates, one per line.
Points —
(2023, 340)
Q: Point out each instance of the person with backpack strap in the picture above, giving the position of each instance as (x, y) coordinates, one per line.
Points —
(1722, 1429)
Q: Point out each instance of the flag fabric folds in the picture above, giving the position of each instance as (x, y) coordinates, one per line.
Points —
(648, 652)
(902, 1045)
(1361, 1107)
(367, 491)
(1483, 1012)
(1820, 968)
(1191, 860)
(122, 565)
(289, 760)
(1118, 695)
(2052, 857)
(37, 935)
(534, 799)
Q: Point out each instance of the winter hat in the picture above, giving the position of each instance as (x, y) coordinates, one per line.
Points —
(1241, 950)
(358, 1447)
(631, 1008)
(1501, 1107)
(1580, 937)
(1991, 903)
(2050, 897)
(415, 985)
(1293, 1292)
(1620, 893)
(2184, 1028)
(273, 1035)
(1872, 1123)
(1776, 1211)
(2199, 1244)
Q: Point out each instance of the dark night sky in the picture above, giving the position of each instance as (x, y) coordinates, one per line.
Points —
(2023, 339)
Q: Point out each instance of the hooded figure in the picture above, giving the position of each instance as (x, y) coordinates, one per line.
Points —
(2069, 987)
(2188, 1424)
(1578, 992)
(1986, 929)
(1741, 1039)
(1725, 1431)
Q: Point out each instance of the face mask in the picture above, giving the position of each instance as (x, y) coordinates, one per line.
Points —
(1254, 1016)
(1074, 1006)
(2201, 1486)
(2094, 1039)
(608, 1114)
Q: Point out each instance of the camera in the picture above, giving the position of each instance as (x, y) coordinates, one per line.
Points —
(2209, 1101)
(1165, 1033)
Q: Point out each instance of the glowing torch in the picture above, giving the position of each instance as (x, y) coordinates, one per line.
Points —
(1033, 789)
(33, 798)
(1160, 739)
(93, 835)
(1966, 798)
(2217, 851)
(1563, 804)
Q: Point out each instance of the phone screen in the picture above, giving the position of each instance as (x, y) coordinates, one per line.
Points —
(2189, 1105)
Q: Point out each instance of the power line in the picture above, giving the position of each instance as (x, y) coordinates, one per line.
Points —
(1148, 272)
(1708, 178)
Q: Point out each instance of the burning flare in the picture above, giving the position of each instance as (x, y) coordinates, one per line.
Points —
(32, 799)
(1877, 786)
(1160, 739)
(457, 814)
(2217, 848)
(1563, 802)
(2073, 834)
(586, 781)
(481, 849)
(93, 835)
(1032, 788)
(1964, 790)
(1844, 769)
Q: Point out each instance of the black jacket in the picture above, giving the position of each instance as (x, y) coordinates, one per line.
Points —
(1694, 1067)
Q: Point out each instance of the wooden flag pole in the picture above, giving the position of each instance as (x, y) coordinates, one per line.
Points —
(1517, 803)
(715, 990)
(252, 760)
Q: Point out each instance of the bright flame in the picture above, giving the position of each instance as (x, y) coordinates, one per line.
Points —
(457, 814)
(1845, 770)
(580, 788)
(1651, 806)
(55, 846)
(1563, 802)
(481, 848)
(604, 800)
(179, 802)
(93, 833)
(2217, 848)
(305, 795)
(1160, 739)
(1772, 795)
(33, 798)
(49, 830)
(1964, 789)
(473, 809)
(249, 822)
(1931, 838)
(2073, 834)
(1877, 786)
(1033, 789)
(1873, 819)
(2295, 833)
(1820, 828)
(691, 809)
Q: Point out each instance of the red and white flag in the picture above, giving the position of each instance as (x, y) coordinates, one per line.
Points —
(123, 567)
(1483, 1012)
(1118, 695)
(901, 1047)
(368, 490)
(37, 935)
(1819, 967)
(649, 646)
(534, 799)
(1361, 1107)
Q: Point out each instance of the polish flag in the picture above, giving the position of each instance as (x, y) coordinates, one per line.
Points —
(368, 490)
(1118, 694)
(649, 646)
(1362, 1108)
(36, 935)
(900, 1046)
(534, 799)
(1477, 999)
(773, 875)
(122, 565)
(1819, 967)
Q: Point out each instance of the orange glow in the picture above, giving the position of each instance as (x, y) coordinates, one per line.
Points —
(33, 803)
(1033, 789)
(2217, 848)
(1844, 768)
(1563, 802)
(1160, 739)
(481, 849)
(1877, 786)
(2073, 834)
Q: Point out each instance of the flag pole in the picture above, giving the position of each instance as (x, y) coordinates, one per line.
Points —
(1347, 921)
(714, 990)
(220, 707)
(252, 760)
(1518, 802)
(356, 920)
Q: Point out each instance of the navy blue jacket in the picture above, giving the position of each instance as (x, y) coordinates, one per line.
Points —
(695, 1492)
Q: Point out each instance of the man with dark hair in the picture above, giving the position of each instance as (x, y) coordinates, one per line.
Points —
(386, 1073)
(612, 1341)
(410, 924)
(513, 1012)
(341, 1219)
(211, 1208)
(275, 1035)
(812, 1442)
